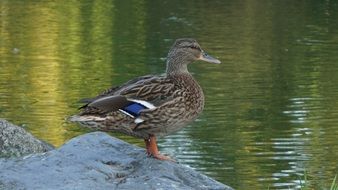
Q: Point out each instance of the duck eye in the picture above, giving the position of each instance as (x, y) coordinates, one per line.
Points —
(193, 47)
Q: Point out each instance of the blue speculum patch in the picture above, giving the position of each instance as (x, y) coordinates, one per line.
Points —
(134, 109)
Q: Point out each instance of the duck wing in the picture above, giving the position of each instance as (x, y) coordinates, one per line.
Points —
(145, 92)
(113, 90)
(155, 90)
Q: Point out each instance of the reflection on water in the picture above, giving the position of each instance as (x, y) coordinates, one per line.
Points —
(271, 108)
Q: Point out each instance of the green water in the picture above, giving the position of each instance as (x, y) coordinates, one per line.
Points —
(271, 106)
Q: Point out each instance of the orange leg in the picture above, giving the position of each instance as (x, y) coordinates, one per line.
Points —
(152, 150)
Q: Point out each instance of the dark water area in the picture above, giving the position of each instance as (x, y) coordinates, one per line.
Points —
(271, 112)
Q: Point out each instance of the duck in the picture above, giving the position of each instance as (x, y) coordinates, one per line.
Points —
(151, 106)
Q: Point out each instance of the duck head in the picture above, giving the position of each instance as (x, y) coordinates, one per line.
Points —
(183, 52)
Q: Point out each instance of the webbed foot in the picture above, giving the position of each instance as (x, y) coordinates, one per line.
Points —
(152, 150)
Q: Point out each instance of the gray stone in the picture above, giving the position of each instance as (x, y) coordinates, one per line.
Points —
(15, 141)
(99, 161)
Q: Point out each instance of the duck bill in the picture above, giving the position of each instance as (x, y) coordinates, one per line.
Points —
(205, 57)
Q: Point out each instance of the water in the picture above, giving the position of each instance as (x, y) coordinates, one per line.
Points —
(271, 107)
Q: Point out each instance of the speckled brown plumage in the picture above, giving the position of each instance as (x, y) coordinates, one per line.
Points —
(176, 99)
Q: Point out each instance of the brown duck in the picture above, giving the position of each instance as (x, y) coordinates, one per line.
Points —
(151, 106)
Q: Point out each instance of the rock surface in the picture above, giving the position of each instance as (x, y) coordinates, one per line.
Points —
(15, 141)
(99, 161)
